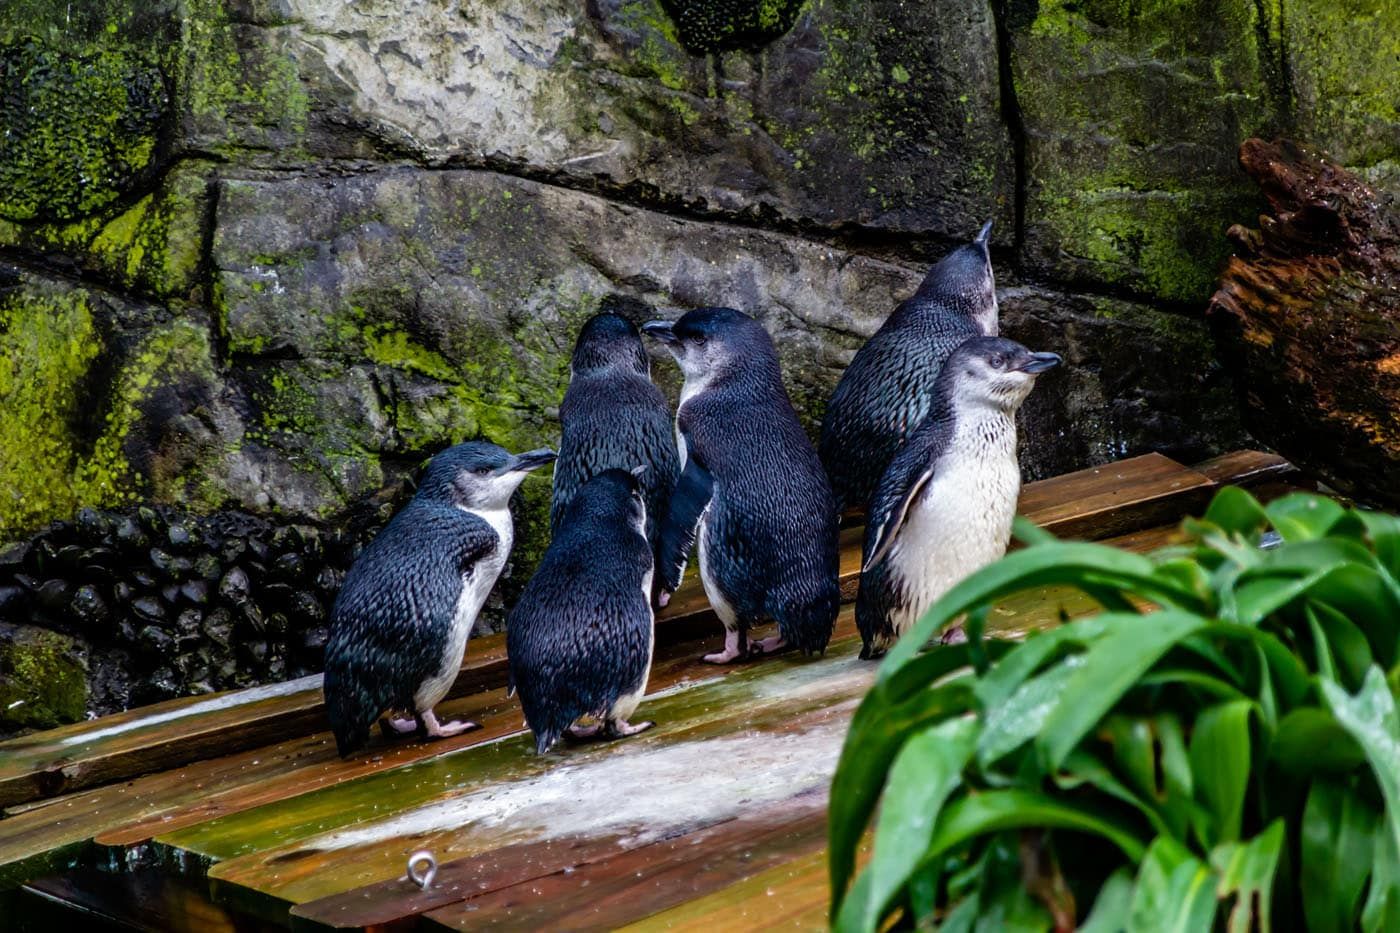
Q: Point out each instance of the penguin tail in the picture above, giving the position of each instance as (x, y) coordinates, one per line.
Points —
(351, 711)
(809, 627)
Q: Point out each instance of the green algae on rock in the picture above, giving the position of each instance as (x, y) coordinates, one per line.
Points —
(713, 25)
(1131, 113)
(80, 130)
(43, 679)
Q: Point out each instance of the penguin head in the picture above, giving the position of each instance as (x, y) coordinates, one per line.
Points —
(479, 475)
(962, 281)
(607, 340)
(992, 372)
(710, 342)
(614, 496)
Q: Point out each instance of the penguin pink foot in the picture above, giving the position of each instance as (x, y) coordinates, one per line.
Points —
(399, 725)
(436, 730)
(769, 645)
(732, 649)
(583, 733)
(620, 728)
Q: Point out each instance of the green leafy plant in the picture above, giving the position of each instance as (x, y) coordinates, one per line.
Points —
(1218, 747)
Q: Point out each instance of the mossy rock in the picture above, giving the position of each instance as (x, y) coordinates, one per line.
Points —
(43, 679)
(1132, 115)
(80, 130)
(713, 25)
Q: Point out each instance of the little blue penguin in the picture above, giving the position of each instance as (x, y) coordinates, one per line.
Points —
(751, 489)
(400, 623)
(888, 388)
(580, 638)
(944, 507)
(613, 417)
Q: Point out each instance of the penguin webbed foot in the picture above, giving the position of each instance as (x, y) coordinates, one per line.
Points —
(735, 647)
(433, 729)
(584, 733)
(770, 645)
(394, 726)
(621, 728)
(953, 636)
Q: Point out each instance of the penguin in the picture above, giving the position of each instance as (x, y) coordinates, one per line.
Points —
(614, 417)
(944, 507)
(888, 388)
(400, 623)
(752, 490)
(580, 639)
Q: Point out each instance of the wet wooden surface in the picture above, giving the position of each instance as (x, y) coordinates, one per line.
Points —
(714, 817)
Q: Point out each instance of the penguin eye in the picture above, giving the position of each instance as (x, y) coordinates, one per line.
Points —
(482, 471)
(699, 340)
(997, 360)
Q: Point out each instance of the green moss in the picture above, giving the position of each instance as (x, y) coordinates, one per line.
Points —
(60, 454)
(221, 83)
(714, 25)
(1344, 58)
(80, 129)
(47, 343)
(43, 681)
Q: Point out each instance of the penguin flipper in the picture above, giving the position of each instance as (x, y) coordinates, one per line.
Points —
(884, 533)
(692, 494)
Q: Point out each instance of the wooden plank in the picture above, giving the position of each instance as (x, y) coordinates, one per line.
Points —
(1115, 498)
(607, 894)
(146, 899)
(1246, 468)
(792, 896)
(1096, 503)
(777, 725)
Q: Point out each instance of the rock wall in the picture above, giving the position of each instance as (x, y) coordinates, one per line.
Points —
(261, 257)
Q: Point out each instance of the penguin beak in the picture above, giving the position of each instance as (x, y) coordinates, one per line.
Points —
(1039, 363)
(984, 236)
(530, 460)
(661, 330)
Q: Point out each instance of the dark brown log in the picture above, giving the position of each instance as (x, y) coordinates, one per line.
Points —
(1309, 312)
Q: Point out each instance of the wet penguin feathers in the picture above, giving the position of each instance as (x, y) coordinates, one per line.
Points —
(952, 486)
(580, 638)
(613, 417)
(752, 488)
(403, 613)
(888, 388)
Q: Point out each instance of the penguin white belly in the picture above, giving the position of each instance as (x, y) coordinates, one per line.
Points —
(476, 586)
(960, 523)
(718, 602)
(627, 704)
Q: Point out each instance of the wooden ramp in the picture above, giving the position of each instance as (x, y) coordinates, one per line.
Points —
(234, 812)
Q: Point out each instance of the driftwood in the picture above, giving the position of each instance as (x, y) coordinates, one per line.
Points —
(1309, 312)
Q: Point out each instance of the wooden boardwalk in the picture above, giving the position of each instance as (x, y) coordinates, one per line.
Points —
(234, 812)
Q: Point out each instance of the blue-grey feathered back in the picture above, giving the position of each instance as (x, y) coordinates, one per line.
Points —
(580, 635)
(888, 388)
(772, 514)
(613, 417)
(391, 620)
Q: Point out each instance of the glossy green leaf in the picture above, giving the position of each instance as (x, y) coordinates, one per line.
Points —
(927, 769)
(1174, 892)
(1237, 512)
(1381, 912)
(1063, 564)
(1336, 844)
(1111, 665)
(1350, 649)
(1011, 723)
(1246, 872)
(1029, 533)
(999, 683)
(1383, 531)
(1220, 767)
(1112, 907)
(1303, 516)
(878, 731)
(996, 810)
(1309, 740)
(1370, 717)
